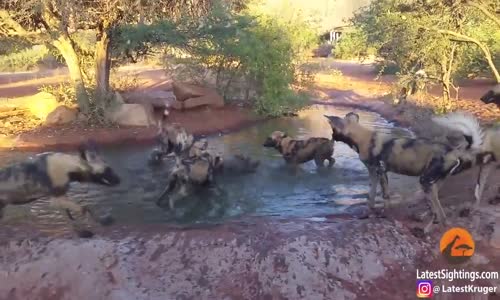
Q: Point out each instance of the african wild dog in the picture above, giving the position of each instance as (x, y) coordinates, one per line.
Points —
(49, 174)
(194, 164)
(488, 141)
(492, 96)
(296, 152)
(382, 153)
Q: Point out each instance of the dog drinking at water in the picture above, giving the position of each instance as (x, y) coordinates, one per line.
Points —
(194, 164)
(297, 152)
(382, 153)
(50, 174)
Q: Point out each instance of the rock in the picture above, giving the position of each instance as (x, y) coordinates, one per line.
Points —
(118, 98)
(155, 98)
(39, 105)
(190, 96)
(184, 91)
(61, 115)
(132, 115)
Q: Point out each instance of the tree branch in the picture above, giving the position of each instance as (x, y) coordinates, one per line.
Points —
(467, 39)
(11, 23)
(485, 11)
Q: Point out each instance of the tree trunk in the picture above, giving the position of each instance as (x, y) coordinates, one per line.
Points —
(102, 63)
(65, 47)
(467, 39)
(446, 69)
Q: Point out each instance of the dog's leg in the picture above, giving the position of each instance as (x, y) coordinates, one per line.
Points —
(68, 206)
(331, 162)
(2, 206)
(374, 181)
(384, 184)
(439, 211)
(171, 184)
(320, 162)
(179, 195)
(484, 172)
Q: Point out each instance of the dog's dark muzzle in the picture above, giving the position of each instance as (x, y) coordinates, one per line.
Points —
(269, 142)
(488, 98)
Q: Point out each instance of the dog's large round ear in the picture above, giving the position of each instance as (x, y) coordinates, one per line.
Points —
(335, 121)
(88, 150)
(352, 117)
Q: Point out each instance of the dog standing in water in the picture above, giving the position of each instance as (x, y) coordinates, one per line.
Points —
(297, 152)
(50, 174)
(431, 161)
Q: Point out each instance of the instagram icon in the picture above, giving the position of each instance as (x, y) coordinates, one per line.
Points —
(424, 289)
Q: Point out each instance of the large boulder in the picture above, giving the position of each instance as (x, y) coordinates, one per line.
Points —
(62, 115)
(190, 96)
(132, 115)
(39, 105)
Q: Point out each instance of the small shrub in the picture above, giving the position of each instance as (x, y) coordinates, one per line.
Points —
(64, 93)
(353, 45)
(9, 45)
(23, 60)
(123, 83)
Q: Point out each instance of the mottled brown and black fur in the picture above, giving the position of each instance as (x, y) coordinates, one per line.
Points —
(50, 174)
(492, 96)
(296, 152)
(382, 153)
(194, 164)
(487, 140)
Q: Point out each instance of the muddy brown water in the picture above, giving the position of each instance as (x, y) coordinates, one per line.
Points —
(272, 191)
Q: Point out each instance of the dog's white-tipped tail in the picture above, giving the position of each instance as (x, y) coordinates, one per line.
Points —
(465, 123)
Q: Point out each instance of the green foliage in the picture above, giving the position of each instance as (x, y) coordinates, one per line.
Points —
(353, 45)
(404, 33)
(64, 92)
(24, 60)
(246, 56)
(9, 45)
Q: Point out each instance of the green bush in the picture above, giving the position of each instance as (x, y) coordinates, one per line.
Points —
(353, 45)
(9, 45)
(64, 93)
(248, 58)
(24, 60)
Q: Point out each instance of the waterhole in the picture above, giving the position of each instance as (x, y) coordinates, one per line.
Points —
(272, 191)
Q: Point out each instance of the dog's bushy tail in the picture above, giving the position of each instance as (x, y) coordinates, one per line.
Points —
(465, 123)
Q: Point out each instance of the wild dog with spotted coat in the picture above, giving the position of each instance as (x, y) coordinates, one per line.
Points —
(492, 96)
(194, 164)
(487, 141)
(297, 152)
(382, 153)
(50, 174)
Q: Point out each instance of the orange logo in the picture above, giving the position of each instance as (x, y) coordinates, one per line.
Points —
(457, 245)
